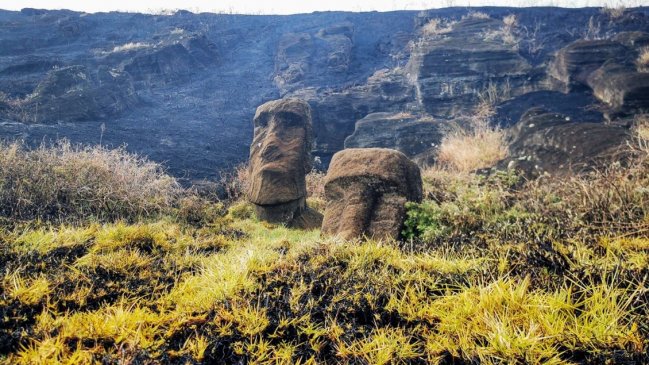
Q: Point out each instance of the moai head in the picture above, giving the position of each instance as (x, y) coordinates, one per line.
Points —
(280, 158)
(366, 190)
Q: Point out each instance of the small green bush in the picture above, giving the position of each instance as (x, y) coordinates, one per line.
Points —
(241, 210)
(460, 204)
(502, 205)
(423, 220)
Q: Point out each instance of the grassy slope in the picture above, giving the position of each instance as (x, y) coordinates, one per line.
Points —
(242, 290)
(496, 270)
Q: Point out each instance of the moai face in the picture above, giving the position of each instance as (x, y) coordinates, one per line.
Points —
(280, 154)
(366, 190)
(361, 207)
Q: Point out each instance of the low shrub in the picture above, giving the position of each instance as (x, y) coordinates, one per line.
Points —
(480, 145)
(463, 204)
(614, 200)
(62, 182)
(641, 129)
(194, 210)
(436, 27)
(315, 185)
(613, 12)
(235, 183)
(241, 210)
(475, 15)
(508, 33)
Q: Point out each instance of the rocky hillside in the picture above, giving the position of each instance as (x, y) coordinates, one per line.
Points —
(183, 88)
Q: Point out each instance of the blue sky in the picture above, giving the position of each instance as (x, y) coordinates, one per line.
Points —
(290, 6)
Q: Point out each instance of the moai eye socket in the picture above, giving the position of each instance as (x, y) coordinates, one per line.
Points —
(288, 119)
(262, 120)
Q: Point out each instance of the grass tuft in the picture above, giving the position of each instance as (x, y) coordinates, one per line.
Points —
(68, 182)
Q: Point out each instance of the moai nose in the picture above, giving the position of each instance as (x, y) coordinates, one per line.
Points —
(356, 214)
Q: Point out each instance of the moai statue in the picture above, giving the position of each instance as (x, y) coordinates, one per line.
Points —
(366, 191)
(280, 158)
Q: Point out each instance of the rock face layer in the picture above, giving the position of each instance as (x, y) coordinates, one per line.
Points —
(406, 133)
(183, 88)
(451, 69)
(74, 94)
(366, 190)
(336, 112)
(609, 69)
(574, 63)
(280, 158)
(551, 142)
(622, 88)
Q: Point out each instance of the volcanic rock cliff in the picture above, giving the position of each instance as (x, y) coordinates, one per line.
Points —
(183, 88)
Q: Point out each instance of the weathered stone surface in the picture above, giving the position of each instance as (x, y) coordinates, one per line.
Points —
(198, 78)
(621, 87)
(338, 46)
(171, 61)
(406, 133)
(575, 62)
(280, 158)
(550, 142)
(576, 106)
(305, 57)
(451, 70)
(635, 40)
(366, 191)
(75, 94)
(292, 60)
(336, 112)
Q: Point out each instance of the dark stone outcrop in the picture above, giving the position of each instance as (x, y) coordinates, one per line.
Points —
(292, 60)
(335, 112)
(280, 158)
(304, 57)
(574, 63)
(183, 88)
(635, 40)
(550, 142)
(576, 106)
(20, 79)
(413, 136)
(621, 88)
(170, 61)
(366, 190)
(75, 94)
(449, 71)
(338, 50)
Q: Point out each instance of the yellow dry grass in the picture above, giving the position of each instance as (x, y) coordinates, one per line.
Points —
(478, 146)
